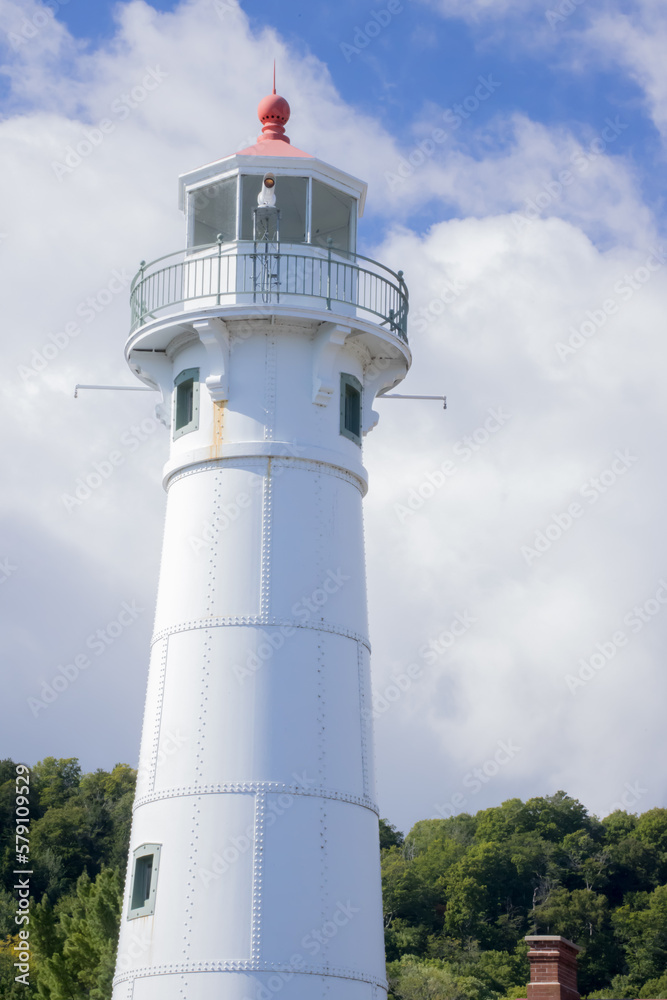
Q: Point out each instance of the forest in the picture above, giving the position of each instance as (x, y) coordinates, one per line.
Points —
(459, 894)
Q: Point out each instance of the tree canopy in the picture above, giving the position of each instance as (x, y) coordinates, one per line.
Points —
(460, 894)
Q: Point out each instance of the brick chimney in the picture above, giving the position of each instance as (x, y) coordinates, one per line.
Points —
(553, 968)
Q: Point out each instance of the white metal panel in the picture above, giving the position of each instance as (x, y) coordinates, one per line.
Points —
(211, 557)
(256, 770)
(204, 864)
(321, 576)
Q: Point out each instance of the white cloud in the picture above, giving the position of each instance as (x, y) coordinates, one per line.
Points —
(637, 42)
(461, 550)
(491, 300)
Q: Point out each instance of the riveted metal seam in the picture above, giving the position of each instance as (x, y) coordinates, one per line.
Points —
(253, 788)
(267, 526)
(283, 461)
(158, 716)
(250, 965)
(365, 716)
(188, 911)
(267, 621)
(270, 365)
(257, 876)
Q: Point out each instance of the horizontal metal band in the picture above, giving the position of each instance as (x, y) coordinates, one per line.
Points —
(251, 965)
(261, 621)
(254, 787)
(278, 459)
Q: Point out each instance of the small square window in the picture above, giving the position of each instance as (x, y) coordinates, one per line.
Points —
(144, 881)
(186, 402)
(350, 407)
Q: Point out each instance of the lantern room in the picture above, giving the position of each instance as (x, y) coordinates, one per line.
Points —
(317, 204)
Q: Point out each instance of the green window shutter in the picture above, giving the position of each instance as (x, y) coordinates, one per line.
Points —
(350, 407)
(186, 402)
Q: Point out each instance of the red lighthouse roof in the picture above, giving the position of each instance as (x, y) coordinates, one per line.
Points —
(273, 112)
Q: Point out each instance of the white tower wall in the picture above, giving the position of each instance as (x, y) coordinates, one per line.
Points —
(254, 855)
(256, 766)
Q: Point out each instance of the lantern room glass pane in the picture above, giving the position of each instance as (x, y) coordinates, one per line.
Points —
(215, 212)
(291, 194)
(333, 214)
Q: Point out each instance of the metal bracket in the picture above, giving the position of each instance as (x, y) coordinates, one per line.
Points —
(214, 335)
(398, 395)
(126, 388)
(328, 340)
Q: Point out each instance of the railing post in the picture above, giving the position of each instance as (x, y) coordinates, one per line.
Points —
(140, 286)
(402, 312)
(219, 263)
(329, 245)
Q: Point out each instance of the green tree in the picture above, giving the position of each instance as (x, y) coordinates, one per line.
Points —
(389, 835)
(76, 940)
(484, 897)
(9, 988)
(641, 927)
(554, 816)
(55, 780)
(404, 893)
(585, 862)
(652, 831)
(415, 979)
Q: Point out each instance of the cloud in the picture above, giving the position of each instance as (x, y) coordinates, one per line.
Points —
(636, 41)
(516, 164)
(496, 536)
(493, 294)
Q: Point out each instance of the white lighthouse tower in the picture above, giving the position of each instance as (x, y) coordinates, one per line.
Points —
(254, 857)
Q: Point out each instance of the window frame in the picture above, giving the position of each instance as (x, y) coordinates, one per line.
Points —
(187, 375)
(347, 380)
(148, 906)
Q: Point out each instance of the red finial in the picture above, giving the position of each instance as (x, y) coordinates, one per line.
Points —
(273, 112)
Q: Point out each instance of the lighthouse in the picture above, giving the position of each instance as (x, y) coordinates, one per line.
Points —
(253, 867)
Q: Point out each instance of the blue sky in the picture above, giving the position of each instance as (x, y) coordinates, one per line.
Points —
(509, 269)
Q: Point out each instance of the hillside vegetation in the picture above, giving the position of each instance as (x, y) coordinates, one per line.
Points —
(459, 894)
